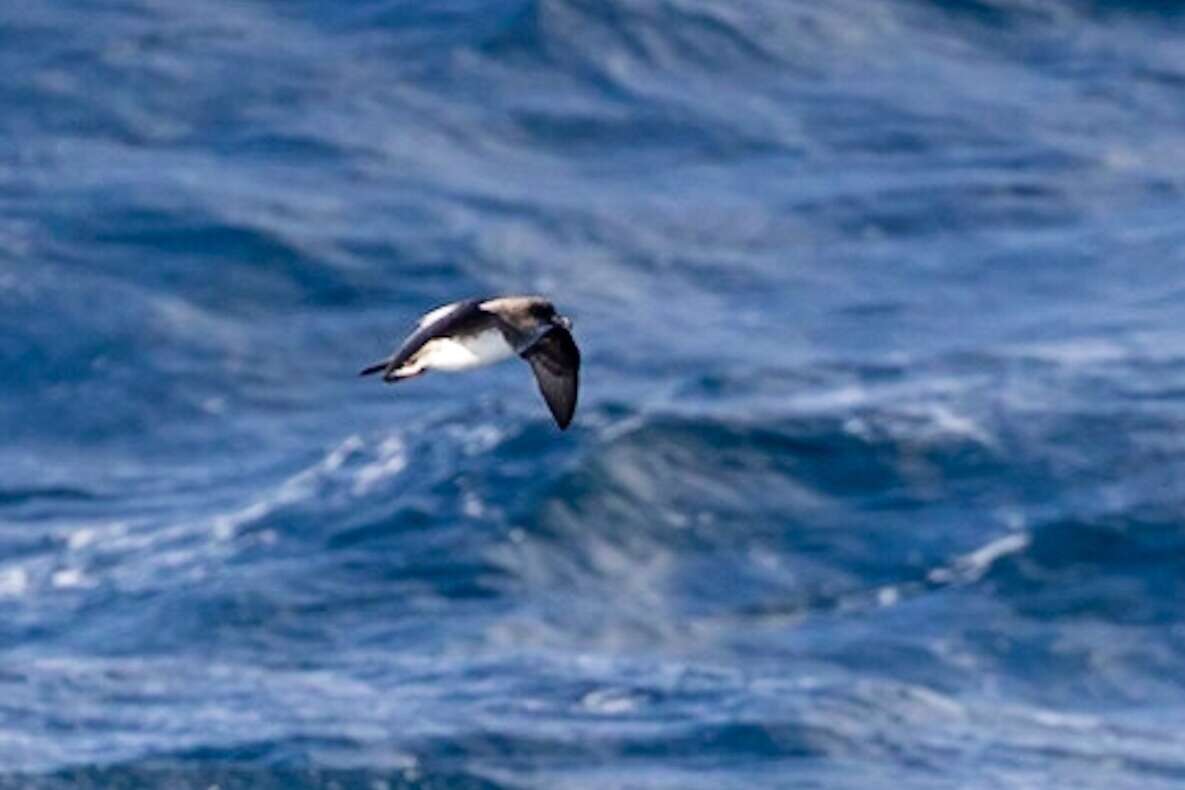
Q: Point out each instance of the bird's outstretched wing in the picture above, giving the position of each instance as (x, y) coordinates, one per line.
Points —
(555, 359)
(440, 321)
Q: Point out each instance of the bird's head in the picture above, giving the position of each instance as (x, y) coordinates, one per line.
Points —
(545, 313)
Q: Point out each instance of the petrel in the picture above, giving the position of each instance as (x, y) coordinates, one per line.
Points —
(477, 332)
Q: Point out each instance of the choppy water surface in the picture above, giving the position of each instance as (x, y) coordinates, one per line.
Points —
(877, 477)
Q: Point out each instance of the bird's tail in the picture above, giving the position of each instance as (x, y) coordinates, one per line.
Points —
(376, 367)
(398, 374)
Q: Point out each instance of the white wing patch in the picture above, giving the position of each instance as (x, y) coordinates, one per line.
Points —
(439, 312)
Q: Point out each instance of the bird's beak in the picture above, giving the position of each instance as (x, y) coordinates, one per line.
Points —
(564, 321)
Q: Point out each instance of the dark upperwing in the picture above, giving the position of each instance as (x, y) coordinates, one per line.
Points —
(555, 359)
(467, 314)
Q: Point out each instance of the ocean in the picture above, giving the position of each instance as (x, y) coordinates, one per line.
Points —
(877, 474)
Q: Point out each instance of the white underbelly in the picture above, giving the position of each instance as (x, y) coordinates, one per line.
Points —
(464, 353)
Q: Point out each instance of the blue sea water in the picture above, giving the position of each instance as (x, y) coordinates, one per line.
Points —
(877, 477)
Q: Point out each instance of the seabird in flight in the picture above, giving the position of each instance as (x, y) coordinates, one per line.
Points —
(478, 332)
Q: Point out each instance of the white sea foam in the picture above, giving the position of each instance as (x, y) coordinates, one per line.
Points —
(14, 582)
(972, 566)
(70, 579)
(610, 701)
(392, 459)
(1078, 352)
(471, 505)
(476, 439)
(946, 422)
(81, 538)
(299, 487)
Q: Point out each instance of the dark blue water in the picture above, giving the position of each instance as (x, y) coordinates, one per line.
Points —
(878, 477)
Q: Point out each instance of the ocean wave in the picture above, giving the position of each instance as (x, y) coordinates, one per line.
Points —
(873, 477)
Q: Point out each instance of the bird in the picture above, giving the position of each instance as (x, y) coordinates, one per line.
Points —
(473, 333)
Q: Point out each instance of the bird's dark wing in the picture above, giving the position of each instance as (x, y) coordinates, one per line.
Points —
(555, 359)
(452, 322)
